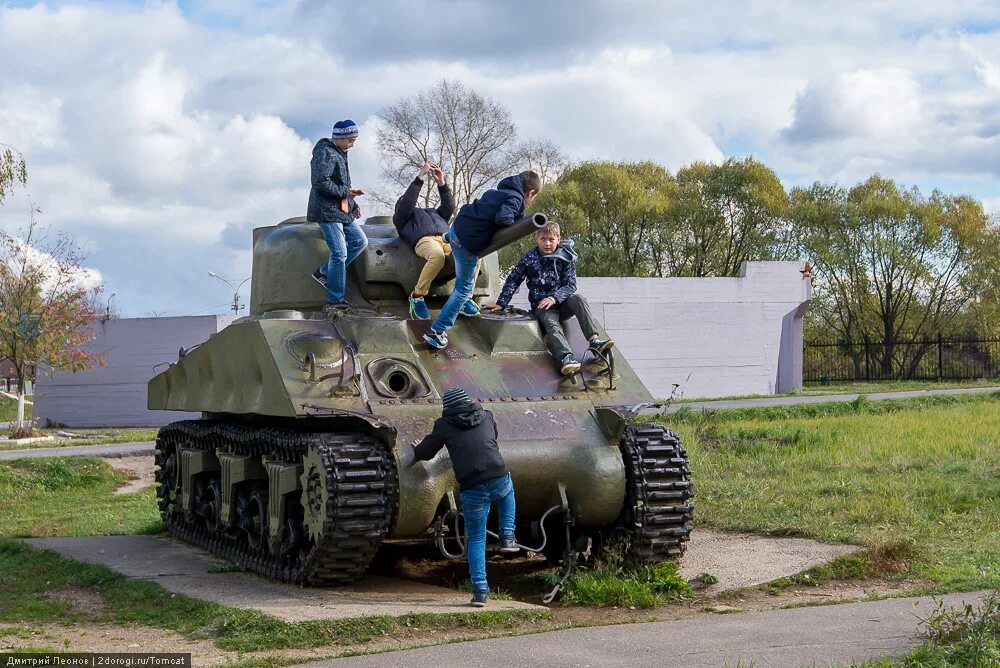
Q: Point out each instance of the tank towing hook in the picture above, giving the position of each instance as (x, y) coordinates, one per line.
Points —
(569, 559)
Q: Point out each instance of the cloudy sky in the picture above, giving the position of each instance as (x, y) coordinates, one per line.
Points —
(161, 133)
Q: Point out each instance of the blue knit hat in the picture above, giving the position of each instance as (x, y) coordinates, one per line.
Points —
(455, 397)
(346, 129)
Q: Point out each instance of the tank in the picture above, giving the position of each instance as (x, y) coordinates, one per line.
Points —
(301, 467)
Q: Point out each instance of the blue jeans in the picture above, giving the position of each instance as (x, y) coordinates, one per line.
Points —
(476, 508)
(465, 280)
(346, 241)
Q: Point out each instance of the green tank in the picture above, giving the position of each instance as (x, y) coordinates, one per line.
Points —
(301, 467)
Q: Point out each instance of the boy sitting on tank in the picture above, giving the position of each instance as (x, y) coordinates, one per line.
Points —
(470, 434)
(471, 233)
(422, 228)
(550, 270)
(332, 205)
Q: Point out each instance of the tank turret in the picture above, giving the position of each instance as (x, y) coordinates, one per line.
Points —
(301, 467)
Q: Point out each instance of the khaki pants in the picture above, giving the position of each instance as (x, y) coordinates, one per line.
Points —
(434, 250)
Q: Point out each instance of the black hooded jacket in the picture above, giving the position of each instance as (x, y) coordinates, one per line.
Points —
(414, 223)
(477, 222)
(470, 434)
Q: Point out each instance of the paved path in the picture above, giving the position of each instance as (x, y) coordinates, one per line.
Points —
(777, 639)
(765, 402)
(113, 450)
(188, 570)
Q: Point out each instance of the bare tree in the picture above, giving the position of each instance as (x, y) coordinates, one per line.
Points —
(543, 156)
(470, 135)
(46, 305)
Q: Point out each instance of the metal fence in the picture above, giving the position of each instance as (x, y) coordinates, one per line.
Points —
(927, 359)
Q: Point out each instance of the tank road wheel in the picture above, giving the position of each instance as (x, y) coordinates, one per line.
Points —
(656, 519)
(251, 513)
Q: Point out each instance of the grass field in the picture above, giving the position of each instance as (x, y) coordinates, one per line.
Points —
(71, 497)
(862, 387)
(916, 481)
(8, 409)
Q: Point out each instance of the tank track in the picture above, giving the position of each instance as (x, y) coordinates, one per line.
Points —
(656, 517)
(361, 477)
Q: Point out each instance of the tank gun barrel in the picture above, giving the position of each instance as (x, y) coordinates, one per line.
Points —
(512, 233)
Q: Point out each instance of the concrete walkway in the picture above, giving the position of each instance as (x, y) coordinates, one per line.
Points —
(187, 570)
(112, 450)
(765, 402)
(777, 639)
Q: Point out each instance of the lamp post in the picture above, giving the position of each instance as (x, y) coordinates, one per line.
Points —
(235, 288)
(107, 307)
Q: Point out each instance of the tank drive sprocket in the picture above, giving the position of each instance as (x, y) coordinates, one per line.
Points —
(331, 529)
(655, 522)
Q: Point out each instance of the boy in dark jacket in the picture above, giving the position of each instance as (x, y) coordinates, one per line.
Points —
(470, 234)
(332, 205)
(423, 228)
(470, 434)
(550, 269)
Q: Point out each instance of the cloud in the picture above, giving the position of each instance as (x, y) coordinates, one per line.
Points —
(160, 136)
(861, 103)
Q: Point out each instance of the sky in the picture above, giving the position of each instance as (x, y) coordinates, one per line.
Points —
(159, 134)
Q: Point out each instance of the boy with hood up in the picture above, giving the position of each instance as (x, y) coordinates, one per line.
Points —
(471, 233)
(470, 434)
(550, 269)
(332, 205)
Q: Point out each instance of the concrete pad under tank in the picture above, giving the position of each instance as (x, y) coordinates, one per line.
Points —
(185, 570)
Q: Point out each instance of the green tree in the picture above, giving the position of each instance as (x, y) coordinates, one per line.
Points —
(637, 219)
(724, 215)
(45, 306)
(12, 169)
(612, 211)
(892, 264)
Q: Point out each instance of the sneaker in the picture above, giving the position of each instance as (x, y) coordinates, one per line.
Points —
(320, 278)
(418, 308)
(601, 346)
(569, 365)
(436, 340)
(508, 544)
(469, 309)
(479, 598)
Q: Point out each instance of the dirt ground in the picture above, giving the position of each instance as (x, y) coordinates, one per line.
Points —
(139, 469)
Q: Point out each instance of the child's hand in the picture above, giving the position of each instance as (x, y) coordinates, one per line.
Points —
(357, 192)
(438, 175)
(357, 213)
(415, 443)
(424, 168)
(493, 308)
(547, 303)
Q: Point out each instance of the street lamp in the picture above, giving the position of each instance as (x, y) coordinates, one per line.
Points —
(235, 288)
(107, 307)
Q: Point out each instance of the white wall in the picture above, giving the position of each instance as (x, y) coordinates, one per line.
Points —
(115, 395)
(713, 337)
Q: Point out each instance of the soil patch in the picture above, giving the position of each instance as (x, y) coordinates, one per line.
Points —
(83, 601)
(98, 638)
(141, 472)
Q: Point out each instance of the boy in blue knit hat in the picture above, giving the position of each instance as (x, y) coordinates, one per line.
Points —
(332, 205)
(470, 434)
